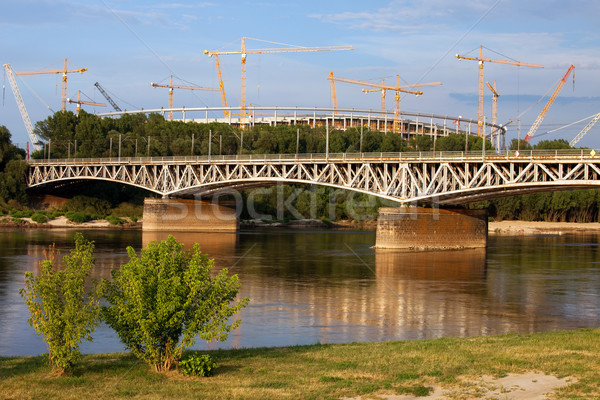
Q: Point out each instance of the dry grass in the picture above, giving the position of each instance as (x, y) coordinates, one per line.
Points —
(324, 371)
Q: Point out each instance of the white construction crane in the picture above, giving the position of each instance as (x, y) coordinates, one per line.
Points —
(585, 130)
(28, 126)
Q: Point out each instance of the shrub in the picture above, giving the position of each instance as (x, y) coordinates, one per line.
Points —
(88, 205)
(39, 217)
(128, 210)
(133, 219)
(77, 217)
(60, 308)
(161, 301)
(202, 365)
(21, 213)
(114, 220)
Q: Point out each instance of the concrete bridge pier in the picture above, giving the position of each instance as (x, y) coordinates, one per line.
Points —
(187, 215)
(417, 228)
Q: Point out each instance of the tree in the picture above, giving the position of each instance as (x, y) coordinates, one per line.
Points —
(165, 298)
(60, 308)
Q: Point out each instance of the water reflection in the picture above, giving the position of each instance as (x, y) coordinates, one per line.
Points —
(331, 286)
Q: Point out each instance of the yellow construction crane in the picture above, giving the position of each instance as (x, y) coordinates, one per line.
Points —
(64, 71)
(170, 86)
(79, 102)
(482, 60)
(244, 52)
(383, 91)
(398, 89)
(540, 117)
(495, 96)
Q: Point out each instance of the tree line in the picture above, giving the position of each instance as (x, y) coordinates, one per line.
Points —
(66, 134)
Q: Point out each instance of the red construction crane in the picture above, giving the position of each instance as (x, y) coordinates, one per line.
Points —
(540, 117)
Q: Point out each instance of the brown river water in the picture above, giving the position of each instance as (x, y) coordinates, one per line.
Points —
(331, 286)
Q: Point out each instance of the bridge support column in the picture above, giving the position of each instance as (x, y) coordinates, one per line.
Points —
(188, 215)
(417, 228)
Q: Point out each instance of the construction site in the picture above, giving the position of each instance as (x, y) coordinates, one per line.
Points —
(386, 119)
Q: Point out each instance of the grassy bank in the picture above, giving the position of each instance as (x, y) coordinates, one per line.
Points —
(325, 371)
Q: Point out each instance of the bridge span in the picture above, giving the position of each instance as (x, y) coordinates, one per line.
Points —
(435, 177)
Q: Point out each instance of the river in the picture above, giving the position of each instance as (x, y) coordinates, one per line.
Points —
(309, 287)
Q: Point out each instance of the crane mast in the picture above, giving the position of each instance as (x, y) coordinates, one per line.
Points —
(107, 97)
(585, 130)
(64, 72)
(79, 102)
(481, 60)
(244, 53)
(170, 86)
(542, 115)
(398, 89)
(24, 115)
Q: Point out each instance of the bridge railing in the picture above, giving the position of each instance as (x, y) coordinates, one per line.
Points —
(336, 157)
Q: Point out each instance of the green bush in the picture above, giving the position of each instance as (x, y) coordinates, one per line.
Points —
(128, 210)
(202, 365)
(21, 213)
(133, 219)
(77, 217)
(160, 302)
(114, 220)
(88, 205)
(39, 217)
(60, 308)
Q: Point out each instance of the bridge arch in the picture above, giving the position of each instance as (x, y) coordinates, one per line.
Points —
(445, 178)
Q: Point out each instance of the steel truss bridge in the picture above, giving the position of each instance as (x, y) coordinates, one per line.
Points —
(440, 177)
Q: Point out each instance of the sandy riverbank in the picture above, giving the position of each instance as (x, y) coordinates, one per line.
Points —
(502, 228)
(539, 228)
(64, 223)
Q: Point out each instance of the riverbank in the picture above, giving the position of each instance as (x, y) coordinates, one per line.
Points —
(502, 227)
(564, 364)
(541, 228)
(63, 223)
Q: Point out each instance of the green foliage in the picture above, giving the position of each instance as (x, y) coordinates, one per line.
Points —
(161, 301)
(39, 217)
(127, 209)
(77, 217)
(522, 145)
(202, 365)
(60, 308)
(21, 213)
(114, 220)
(87, 205)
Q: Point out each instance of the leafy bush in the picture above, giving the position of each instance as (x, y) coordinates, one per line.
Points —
(202, 365)
(114, 220)
(77, 217)
(21, 213)
(128, 210)
(39, 217)
(133, 219)
(161, 301)
(60, 308)
(88, 205)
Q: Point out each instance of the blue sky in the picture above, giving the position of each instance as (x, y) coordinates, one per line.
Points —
(126, 44)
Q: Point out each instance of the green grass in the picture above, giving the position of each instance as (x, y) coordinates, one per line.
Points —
(323, 371)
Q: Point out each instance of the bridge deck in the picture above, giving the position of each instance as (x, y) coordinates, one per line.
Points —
(444, 177)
